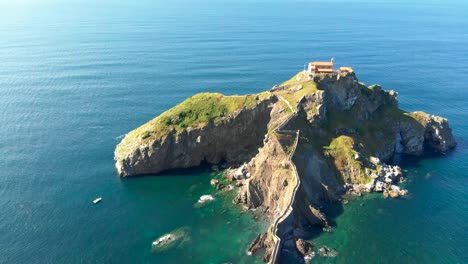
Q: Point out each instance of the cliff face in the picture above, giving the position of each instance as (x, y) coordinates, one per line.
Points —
(234, 138)
(422, 130)
(302, 144)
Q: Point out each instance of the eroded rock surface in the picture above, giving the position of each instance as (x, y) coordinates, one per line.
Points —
(305, 248)
(234, 138)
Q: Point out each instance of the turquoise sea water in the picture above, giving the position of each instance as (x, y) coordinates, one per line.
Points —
(75, 77)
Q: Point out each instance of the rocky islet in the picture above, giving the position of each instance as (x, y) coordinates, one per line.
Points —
(348, 134)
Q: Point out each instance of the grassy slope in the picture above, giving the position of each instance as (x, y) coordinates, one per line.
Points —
(200, 109)
(196, 111)
(342, 151)
(292, 95)
(373, 133)
(370, 137)
(420, 117)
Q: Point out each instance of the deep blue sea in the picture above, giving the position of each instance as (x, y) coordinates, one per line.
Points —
(76, 76)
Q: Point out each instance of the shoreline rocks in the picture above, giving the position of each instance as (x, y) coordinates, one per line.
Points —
(237, 174)
(383, 181)
(241, 197)
(257, 244)
(214, 182)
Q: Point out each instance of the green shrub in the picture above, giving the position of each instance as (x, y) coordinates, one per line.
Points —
(145, 134)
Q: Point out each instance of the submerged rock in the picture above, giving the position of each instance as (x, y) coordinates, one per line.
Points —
(403, 192)
(385, 194)
(393, 194)
(327, 252)
(215, 168)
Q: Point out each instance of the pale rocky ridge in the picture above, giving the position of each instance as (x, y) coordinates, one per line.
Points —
(348, 132)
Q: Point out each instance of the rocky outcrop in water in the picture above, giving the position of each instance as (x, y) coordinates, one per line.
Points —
(305, 249)
(304, 143)
(425, 130)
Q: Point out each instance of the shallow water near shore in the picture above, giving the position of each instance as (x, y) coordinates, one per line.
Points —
(75, 78)
(417, 228)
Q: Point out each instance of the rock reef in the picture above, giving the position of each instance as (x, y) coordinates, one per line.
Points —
(291, 149)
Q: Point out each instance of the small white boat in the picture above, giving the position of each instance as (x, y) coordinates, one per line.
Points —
(97, 200)
(163, 239)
